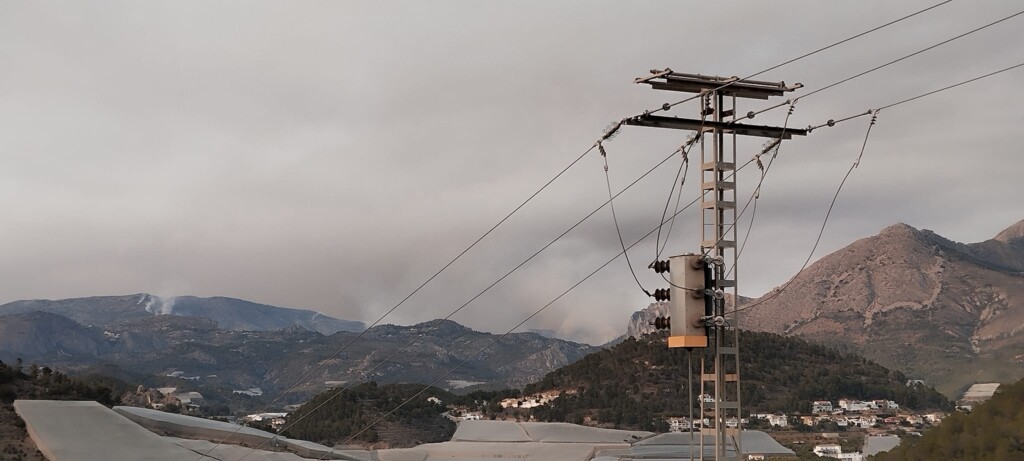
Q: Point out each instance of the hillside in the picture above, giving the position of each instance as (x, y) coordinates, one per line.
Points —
(229, 313)
(938, 310)
(34, 382)
(216, 361)
(994, 431)
(629, 384)
(418, 421)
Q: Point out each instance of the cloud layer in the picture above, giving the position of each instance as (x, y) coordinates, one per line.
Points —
(333, 155)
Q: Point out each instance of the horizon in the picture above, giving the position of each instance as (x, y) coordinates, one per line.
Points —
(336, 165)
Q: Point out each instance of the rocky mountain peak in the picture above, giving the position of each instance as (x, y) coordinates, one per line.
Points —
(1014, 233)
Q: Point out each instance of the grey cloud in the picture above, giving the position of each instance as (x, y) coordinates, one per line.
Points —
(332, 155)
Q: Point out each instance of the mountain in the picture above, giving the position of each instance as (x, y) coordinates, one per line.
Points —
(993, 431)
(195, 353)
(632, 383)
(946, 312)
(229, 313)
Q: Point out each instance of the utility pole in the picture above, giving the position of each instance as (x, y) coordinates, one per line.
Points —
(721, 383)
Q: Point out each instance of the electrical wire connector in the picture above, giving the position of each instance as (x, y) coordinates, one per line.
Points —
(612, 130)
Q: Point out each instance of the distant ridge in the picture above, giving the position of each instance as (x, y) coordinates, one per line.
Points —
(229, 313)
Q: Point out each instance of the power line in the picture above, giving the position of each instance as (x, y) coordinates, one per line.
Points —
(606, 136)
(824, 222)
(615, 218)
(684, 168)
(668, 106)
(521, 323)
(874, 113)
(406, 298)
(534, 314)
(481, 293)
(773, 146)
(881, 66)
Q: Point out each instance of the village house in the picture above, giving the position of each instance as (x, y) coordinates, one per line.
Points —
(778, 420)
(821, 406)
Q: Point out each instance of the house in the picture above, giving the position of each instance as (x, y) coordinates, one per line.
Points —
(830, 450)
(778, 420)
(934, 418)
(821, 406)
(678, 424)
(807, 420)
(434, 400)
(472, 416)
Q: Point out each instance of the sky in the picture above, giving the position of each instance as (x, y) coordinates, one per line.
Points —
(334, 155)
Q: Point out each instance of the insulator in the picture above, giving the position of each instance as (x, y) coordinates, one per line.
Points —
(660, 266)
(661, 294)
(662, 323)
(717, 294)
(666, 106)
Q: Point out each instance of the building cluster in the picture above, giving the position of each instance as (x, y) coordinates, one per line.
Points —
(530, 401)
(835, 451)
(276, 420)
(849, 413)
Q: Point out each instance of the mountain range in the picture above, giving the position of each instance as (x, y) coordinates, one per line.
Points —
(268, 349)
(946, 312)
(229, 313)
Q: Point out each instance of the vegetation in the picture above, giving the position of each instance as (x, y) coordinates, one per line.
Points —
(993, 431)
(636, 383)
(350, 415)
(35, 382)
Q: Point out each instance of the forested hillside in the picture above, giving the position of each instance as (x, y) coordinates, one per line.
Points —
(34, 382)
(630, 384)
(994, 431)
(418, 421)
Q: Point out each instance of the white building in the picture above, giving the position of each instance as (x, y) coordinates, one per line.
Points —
(821, 406)
(829, 450)
(778, 420)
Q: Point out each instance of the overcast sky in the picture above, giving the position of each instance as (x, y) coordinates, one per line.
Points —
(333, 155)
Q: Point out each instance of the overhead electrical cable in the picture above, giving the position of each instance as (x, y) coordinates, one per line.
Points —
(824, 222)
(668, 106)
(606, 136)
(436, 324)
(882, 66)
(506, 333)
(615, 218)
(345, 347)
(773, 147)
(874, 113)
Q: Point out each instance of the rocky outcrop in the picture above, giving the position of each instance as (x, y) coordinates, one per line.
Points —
(943, 311)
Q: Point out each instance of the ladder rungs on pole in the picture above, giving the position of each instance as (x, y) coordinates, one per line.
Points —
(710, 377)
(718, 185)
(722, 166)
(718, 243)
(724, 204)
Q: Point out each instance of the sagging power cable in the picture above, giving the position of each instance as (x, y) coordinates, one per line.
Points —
(521, 323)
(615, 218)
(824, 222)
(481, 293)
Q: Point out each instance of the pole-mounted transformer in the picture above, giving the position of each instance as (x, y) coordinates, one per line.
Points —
(692, 299)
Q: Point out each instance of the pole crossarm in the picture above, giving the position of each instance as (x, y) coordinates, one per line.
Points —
(697, 83)
(764, 131)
